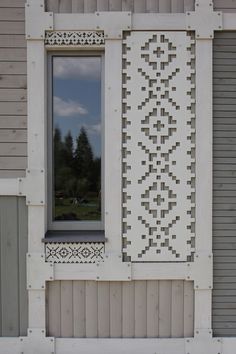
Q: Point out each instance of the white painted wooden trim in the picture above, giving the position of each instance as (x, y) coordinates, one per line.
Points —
(204, 67)
(112, 148)
(229, 21)
(10, 186)
(112, 23)
(36, 74)
(37, 343)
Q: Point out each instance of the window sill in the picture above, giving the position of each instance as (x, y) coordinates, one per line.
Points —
(74, 236)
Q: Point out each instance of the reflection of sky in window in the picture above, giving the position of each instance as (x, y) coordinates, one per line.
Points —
(77, 97)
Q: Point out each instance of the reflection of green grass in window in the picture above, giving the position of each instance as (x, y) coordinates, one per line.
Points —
(74, 209)
(77, 179)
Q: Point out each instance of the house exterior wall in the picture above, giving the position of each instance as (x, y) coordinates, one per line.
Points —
(224, 193)
(139, 6)
(136, 309)
(13, 93)
(175, 298)
(13, 293)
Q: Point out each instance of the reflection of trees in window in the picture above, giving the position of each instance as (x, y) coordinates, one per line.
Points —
(77, 178)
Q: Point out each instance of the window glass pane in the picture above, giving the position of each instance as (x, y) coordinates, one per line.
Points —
(76, 138)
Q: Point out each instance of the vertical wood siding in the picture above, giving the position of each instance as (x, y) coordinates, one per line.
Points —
(13, 94)
(85, 6)
(136, 309)
(13, 248)
(224, 194)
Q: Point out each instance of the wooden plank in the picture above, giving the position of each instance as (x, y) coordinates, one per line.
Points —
(13, 149)
(54, 308)
(13, 122)
(127, 5)
(12, 41)
(23, 248)
(165, 6)
(102, 5)
(12, 14)
(13, 108)
(177, 309)
(103, 310)
(224, 266)
(13, 54)
(188, 309)
(66, 308)
(225, 332)
(13, 68)
(13, 81)
(116, 309)
(188, 5)
(13, 136)
(77, 6)
(12, 173)
(12, 162)
(165, 308)
(9, 267)
(140, 308)
(65, 6)
(52, 5)
(12, 27)
(128, 318)
(152, 308)
(12, 95)
(177, 6)
(152, 6)
(90, 6)
(115, 5)
(226, 4)
(139, 6)
(91, 309)
(12, 3)
(79, 309)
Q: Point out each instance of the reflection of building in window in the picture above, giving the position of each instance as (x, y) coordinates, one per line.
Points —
(76, 144)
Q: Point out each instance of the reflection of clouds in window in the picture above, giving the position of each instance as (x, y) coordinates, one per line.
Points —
(68, 108)
(93, 129)
(74, 68)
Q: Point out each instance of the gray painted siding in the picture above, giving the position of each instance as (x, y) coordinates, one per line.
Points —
(13, 248)
(224, 194)
(136, 309)
(225, 5)
(86, 6)
(13, 93)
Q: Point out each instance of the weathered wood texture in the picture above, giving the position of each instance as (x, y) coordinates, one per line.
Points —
(13, 240)
(138, 6)
(224, 183)
(136, 309)
(13, 91)
(225, 5)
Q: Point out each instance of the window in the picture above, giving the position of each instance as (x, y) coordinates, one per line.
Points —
(75, 142)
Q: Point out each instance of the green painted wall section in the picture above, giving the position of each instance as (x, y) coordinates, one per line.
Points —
(13, 248)
(224, 184)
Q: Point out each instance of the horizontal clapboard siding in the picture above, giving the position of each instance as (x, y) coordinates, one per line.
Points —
(225, 5)
(13, 90)
(224, 182)
(13, 293)
(136, 309)
(140, 6)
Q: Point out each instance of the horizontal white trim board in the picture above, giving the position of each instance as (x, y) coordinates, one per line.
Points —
(120, 346)
(123, 346)
(9, 186)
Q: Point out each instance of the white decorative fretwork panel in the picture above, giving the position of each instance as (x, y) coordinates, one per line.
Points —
(74, 252)
(74, 38)
(158, 146)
